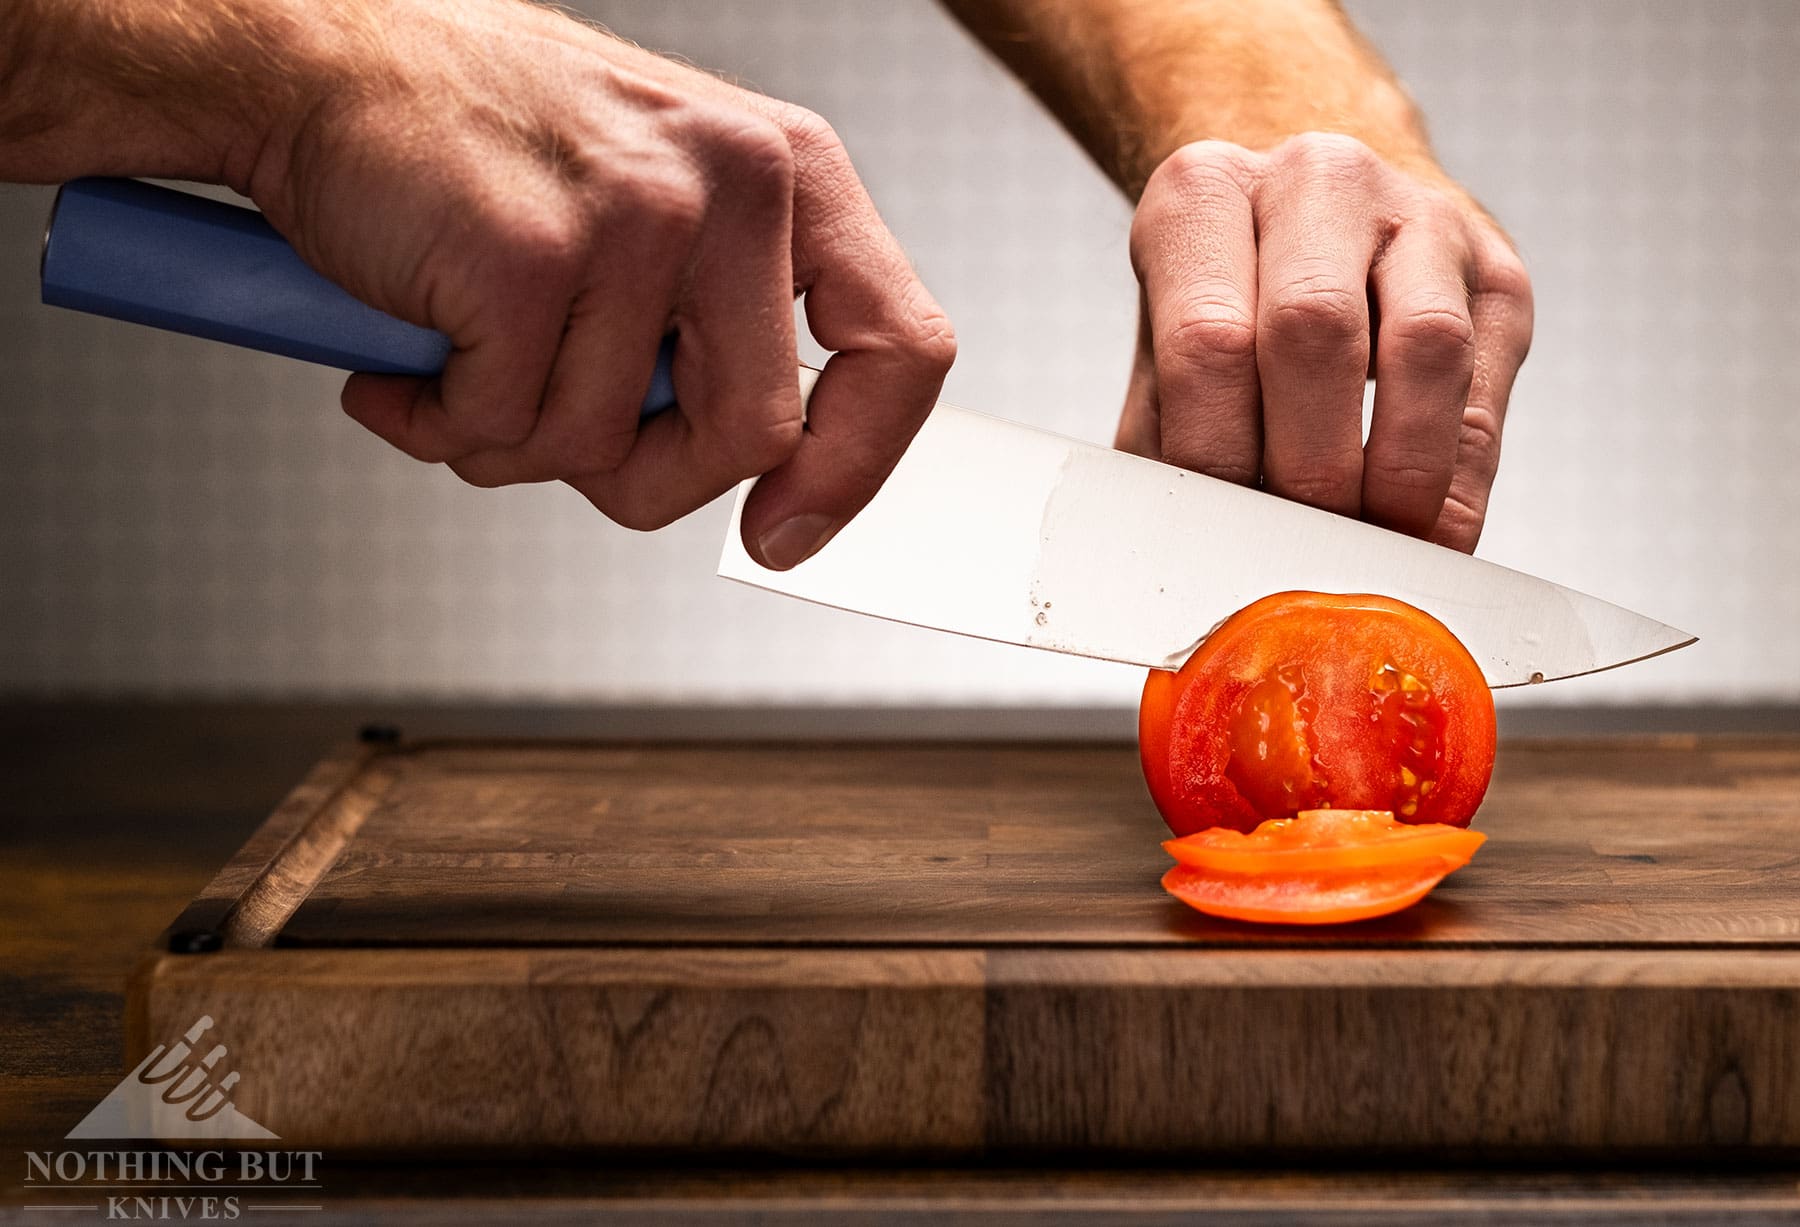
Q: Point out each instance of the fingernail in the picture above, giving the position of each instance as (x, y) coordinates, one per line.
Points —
(794, 541)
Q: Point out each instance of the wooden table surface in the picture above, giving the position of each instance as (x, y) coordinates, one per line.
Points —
(114, 817)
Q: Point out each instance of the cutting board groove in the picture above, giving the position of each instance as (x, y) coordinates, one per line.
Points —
(934, 949)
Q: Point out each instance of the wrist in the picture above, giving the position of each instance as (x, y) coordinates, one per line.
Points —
(195, 89)
(1380, 115)
(296, 61)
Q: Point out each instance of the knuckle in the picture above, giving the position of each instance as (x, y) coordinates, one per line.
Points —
(1326, 154)
(931, 340)
(1203, 165)
(429, 452)
(1435, 211)
(481, 472)
(1499, 271)
(1409, 474)
(1191, 181)
(1316, 312)
(754, 448)
(642, 519)
(672, 203)
(503, 422)
(599, 450)
(628, 508)
(1438, 335)
(1334, 487)
(1210, 335)
(1238, 474)
(1478, 448)
(544, 246)
(755, 156)
(1459, 524)
(1501, 283)
(507, 426)
(808, 135)
(1185, 450)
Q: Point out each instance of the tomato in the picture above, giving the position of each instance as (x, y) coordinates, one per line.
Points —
(1319, 867)
(1304, 701)
(1323, 839)
(1307, 899)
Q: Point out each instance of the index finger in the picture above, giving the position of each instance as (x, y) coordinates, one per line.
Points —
(1193, 243)
(892, 348)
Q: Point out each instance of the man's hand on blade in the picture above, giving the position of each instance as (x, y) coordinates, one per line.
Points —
(1275, 284)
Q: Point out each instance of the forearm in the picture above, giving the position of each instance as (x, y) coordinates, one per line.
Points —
(1134, 80)
(178, 88)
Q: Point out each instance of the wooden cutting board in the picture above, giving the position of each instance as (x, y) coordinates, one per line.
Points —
(494, 947)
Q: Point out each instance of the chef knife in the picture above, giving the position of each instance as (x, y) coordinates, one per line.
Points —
(987, 527)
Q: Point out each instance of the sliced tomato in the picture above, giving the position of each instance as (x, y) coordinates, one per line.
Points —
(1316, 898)
(1306, 701)
(1319, 867)
(1324, 840)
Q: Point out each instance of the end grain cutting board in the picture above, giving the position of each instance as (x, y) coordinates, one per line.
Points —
(493, 947)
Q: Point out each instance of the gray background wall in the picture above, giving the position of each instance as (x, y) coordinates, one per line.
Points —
(177, 517)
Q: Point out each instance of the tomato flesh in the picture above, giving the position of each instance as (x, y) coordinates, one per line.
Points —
(1320, 867)
(1272, 763)
(1309, 701)
(1325, 839)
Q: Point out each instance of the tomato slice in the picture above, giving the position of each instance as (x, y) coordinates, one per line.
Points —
(1319, 867)
(1314, 898)
(1307, 701)
(1324, 840)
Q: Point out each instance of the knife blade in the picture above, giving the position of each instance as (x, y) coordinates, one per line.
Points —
(1001, 531)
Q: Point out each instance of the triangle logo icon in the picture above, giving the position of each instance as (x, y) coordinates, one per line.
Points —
(175, 1093)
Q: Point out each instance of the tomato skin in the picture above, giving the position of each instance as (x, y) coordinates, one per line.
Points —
(1305, 700)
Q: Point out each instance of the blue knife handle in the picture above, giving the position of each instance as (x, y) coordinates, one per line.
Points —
(150, 255)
